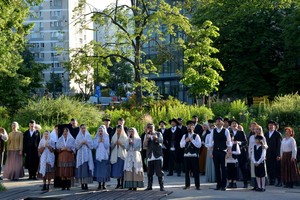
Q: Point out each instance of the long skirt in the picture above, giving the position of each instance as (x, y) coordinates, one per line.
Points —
(50, 172)
(202, 160)
(210, 169)
(83, 174)
(133, 179)
(66, 164)
(14, 165)
(102, 171)
(260, 170)
(117, 169)
(289, 169)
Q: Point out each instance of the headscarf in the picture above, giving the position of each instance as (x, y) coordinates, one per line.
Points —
(47, 156)
(53, 136)
(133, 157)
(102, 148)
(84, 153)
(118, 151)
(68, 143)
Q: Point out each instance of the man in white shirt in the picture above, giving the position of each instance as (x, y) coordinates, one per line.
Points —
(191, 143)
(220, 144)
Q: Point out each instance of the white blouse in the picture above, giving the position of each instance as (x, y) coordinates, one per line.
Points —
(288, 145)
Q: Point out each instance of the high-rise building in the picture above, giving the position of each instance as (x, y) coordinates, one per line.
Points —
(55, 32)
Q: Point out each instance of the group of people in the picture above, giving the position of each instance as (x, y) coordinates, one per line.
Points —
(218, 149)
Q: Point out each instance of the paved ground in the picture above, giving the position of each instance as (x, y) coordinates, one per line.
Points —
(24, 189)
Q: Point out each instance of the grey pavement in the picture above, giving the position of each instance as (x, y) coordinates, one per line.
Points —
(23, 189)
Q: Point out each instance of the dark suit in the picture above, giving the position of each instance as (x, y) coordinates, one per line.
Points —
(273, 151)
(164, 149)
(241, 137)
(198, 129)
(175, 152)
(110, 132)
(30, 149)
(143, 152)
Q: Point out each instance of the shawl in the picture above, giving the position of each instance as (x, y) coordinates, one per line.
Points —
(102, 148)
(133, 157)
(84, 153)
(118, 150)
(69, 143)
(53, 136)
(47, 157)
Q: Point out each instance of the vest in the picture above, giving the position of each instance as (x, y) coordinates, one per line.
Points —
(190, 147)
(154, 147)
(220, 140)
(257, 153)
(1, 146)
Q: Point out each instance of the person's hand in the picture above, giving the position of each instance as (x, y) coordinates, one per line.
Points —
(187, 139)
(293, 159)
(235, 142)
(99, 140)
(21, 153)
(211, 155)
(278, 158)
(256, 164)
(155, 137)
(83, 142)
(117, 142)
(148, 136)
(130, 141)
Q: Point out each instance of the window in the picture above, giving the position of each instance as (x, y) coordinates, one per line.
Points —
(42, 55)
(42, 44)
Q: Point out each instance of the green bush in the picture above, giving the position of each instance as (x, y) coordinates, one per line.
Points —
(221, 108)
(56, 111)
(4, 118)
(2, 188)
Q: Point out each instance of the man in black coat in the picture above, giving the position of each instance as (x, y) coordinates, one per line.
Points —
(162, 129)
(273, 138)
(174, 136)
(240, 138)
(120, 122)
(106, 122)
(31, 142)
(198, 128)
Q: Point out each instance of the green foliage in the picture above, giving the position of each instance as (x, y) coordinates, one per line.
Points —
(238, 108)
(2, 187)
(202, 71)
(221, 108)
(56, 111)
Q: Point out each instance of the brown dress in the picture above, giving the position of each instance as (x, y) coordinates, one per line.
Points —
(66, 164)
(289, 168)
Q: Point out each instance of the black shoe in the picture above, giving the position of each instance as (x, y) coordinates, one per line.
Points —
(117, 187)
(104, 187)
(245, 185)
(162, 189)
(148, 188)
(134, 189)
(197, 188)
(263, 190)
(99, 186)
(129, 188)
(44, 187)
(230, 185)
(223, 189)
(82, 186)
(254, 189)
(186, 187)
(86, 187)
(258, 189)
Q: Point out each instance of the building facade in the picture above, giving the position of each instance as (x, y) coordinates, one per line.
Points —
(55, 32)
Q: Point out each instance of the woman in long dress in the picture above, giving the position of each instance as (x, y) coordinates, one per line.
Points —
(118, 154)
(66, 162)
(46, 150)
(209, 167)
(203, 149)
(288, 153)
(257, 131)
(102, 164)
(84, 159)
(14, 163)
(133, 167)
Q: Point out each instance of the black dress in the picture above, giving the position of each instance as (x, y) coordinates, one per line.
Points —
(260, 170)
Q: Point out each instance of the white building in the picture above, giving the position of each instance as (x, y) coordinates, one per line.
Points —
(55, 32)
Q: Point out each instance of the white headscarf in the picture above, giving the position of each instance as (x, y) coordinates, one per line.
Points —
(84, 153)
(47, 157)
(118, 151)
(68, 143)
(133, 157)
(102, 148)
(53, 135)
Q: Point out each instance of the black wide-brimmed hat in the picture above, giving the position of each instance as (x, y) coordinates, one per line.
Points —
(162, 122)
(190, 122)
(234, 120)
(173, 120)
(220, 118)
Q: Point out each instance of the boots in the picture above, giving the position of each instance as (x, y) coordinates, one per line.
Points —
(122, 182)
(103, 186)
(44, 187)
(48, 187)
(161, 183)
(119, 184)
(63, 184)
(150, 181)
(68, 184)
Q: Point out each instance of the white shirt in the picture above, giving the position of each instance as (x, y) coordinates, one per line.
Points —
(173, 129)
(31, 132)
(288, 145)
(262, 157)
(227, 134)
(160, 139)
(196, 142)
(252, 143)
(270, 133)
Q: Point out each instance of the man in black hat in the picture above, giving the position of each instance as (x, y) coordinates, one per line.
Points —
(220, 143)
(240, 138)
(273, 139)
(120, 122)
(31, 142)
(174, 136)
(162, 129)
(191, 144)
(109, 129)
(198, 127)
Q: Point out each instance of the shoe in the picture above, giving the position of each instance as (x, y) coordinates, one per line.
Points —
(197, 188)
(162, 189)
(117, 187)
(178, 175)
(82, 186)
(263, 190)
(223, 189)
(129, 188)
(148, 188)
(230, 185)
(234, 185)
(186, 187)
(258, 189)
(245, 185)
(103, 187)
(86, 187)
(44, 187)
(134, 189)
(170, 175)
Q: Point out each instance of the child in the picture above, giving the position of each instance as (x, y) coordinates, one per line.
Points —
(232, 164)
(46, 149)
(258, 159)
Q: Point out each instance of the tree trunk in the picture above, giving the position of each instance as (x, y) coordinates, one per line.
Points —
(137, 77)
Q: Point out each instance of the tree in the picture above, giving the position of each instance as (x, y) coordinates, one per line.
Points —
(202, 71)
(12, 33)
(55, 84)
(15, 91)
(250, 43)
(135, 25)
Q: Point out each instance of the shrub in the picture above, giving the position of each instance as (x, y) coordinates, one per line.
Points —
(2, 188)
(221, 108)
(55, 111)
